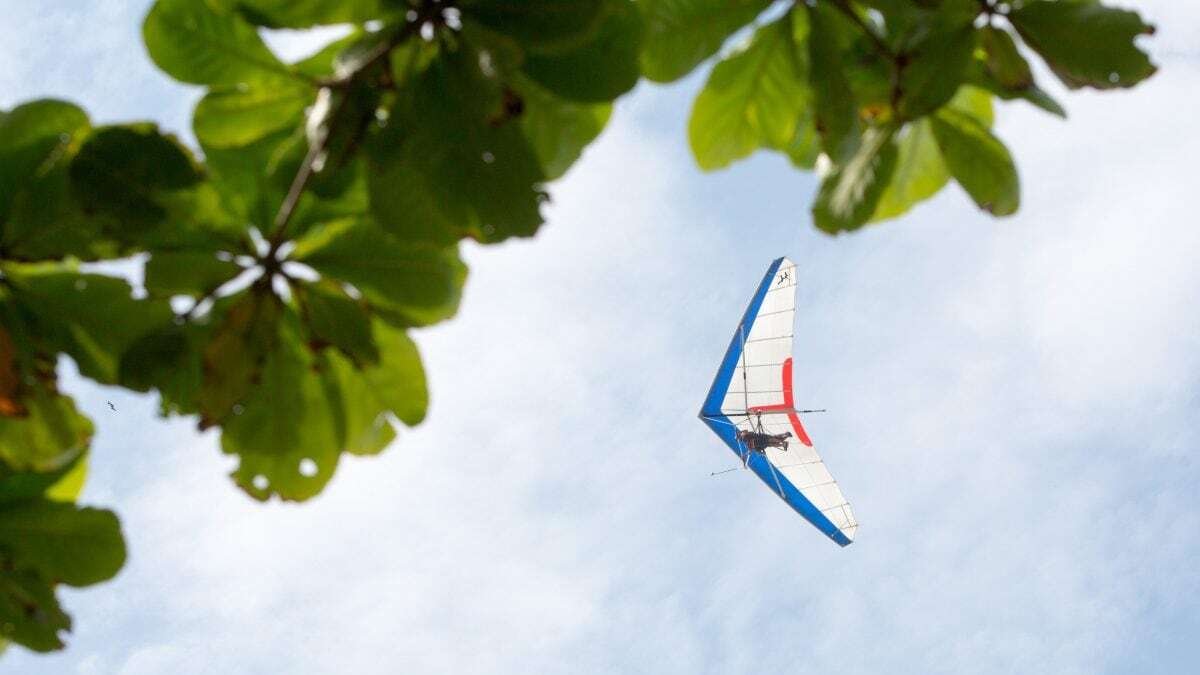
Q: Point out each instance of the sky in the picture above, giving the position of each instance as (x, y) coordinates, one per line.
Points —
(1012, 409)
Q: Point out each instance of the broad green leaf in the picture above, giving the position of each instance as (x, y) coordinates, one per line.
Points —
(171, 361)
(601, 69)
(833, 101)
(360, 419)
(235, 355)
(805, 146)
(198, 42)
(122, 172)
(398, 381)
(235, 117)
(1085, 43)
(91, 317)
(62, 484)
(32, 138)
(29, 613)
(851, 193)
(12, 381)
(538, 24)
(334, 318)
(63, 542)
(680, 34)
(558, 130)
(934, 69)
(197, 273)
(1004, 61)
(752, 98)
(978, 161)
(70, 484)
(308, 13)
(287, 419)
(978, 75)
(485, 183)
(415, 283)
(920, 171)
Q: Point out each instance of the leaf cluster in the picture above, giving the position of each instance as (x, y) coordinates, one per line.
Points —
(888, 99)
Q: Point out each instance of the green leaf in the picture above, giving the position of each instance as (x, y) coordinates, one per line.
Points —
(1085, 43)
(198, 42)
(416, 284)
(836, 112)
(680, 34)
(90, 317)
(398, 381)
(752, 98)
(484, 184)
(538, 24)
(123, 171)
(62, 542)
(360, 420)
(29, 613)
(308, 13)
(235, 355)
(334, 318)
(1004, 62)
(978, 75)
(171, 361)
(934, 69)
(187, 273)
(62, 484)
(32, 138)
(920, 171)
(557, 130)
(235, 117)
(287, 419)
(851, 193)
(978, 161)
(600, 70)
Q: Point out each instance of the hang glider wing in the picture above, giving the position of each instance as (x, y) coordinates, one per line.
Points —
(754, 386)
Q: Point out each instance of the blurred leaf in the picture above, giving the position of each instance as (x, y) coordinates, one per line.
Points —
(558, 130)
(680, 34)
(169, 360)
(187, 273)
(601, 69)
(485, 184)
(121, 171)
(398, 381)
(308, 13)
(91, 317)
(415, 284)
(235, 355)
(198, 42)
(851, 193)
(1004, 62)
(62, 542)
(978, 75)
(235, 117)
(29, 613)
(978, 161)
(752, 98)
(538, 24)
(70, 483)
(836, 111)
(334, 318)
(920, 171)
(934, 69)
(32, 138)
(288, 418)
(1085, 43)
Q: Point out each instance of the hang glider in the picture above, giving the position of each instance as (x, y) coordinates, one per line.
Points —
(751, 407)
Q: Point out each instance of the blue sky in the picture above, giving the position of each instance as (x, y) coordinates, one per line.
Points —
(1012, 415)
